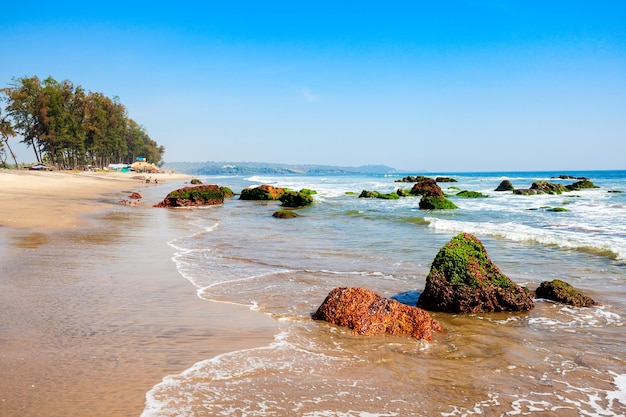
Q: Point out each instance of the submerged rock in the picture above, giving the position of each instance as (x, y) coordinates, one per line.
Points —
(563, 292)
(201, 195)
(445, 179)
(463, 279)
(285, 214)
(368, 313)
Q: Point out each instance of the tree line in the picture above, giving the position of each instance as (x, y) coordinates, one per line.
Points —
(69, 127)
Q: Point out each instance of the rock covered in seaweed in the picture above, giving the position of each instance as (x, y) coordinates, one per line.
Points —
(201, 195)
(262, 192)
(368, 313)
(542, 187)
(463, 279)
(285, 214)
(295, 199)
(562, 292)
(433, 197)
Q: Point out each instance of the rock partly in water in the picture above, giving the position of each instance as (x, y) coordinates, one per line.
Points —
(445, 179)
(432, 196)
(195, 181)
(411, 178)
(427, 186)
(463, 279)
(542, 187)
(563, 292)
(505, 185)
(262, 192)
(470, 194)
(368, 313)
(201, 195)
(285, 214)
(581, 185)
(295, 199)
(135, 196)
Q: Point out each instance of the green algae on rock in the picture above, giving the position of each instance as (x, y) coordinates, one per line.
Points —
(463, 279)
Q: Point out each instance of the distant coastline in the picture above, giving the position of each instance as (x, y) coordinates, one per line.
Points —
(267, 168)
(254, 168)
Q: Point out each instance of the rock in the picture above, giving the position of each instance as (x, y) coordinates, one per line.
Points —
(285, 214)
(368, 194)
(411, 178)
(432, 196)
(402, 192)
(436, 203)
(295, 199)
(201, 195)
(427, 186)
(262, 192)
(227, 192)
(463, 279)
(368, 313)
(470, 194)
(376, 194)
(445, 179)
(563, 292)
(542, 187)
(505, 185)
(580, 185)
(135, 196)
(195, 181)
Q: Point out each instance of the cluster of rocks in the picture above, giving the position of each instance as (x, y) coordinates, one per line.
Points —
(211, 194)
(462, 279)
(432, 196)
(546, 187)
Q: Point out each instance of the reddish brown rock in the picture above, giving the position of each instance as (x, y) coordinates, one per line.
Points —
(135, 196)
(262, 192)
(368, 313)
(427, 187)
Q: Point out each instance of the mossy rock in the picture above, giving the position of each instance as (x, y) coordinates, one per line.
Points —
(436, 203)
(285, 214)
(563, 292)
(295, 199)
(402, 192)
(308, 191)
(200, 195)
(445, 179)
(262, 193)
(390, 196)
(195, 181)
(227, 192)
(581, 185)
(557, 209)
(470, 194)
(368, 194)
(463, 279)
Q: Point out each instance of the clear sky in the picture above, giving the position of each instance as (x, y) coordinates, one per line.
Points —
(475, 85)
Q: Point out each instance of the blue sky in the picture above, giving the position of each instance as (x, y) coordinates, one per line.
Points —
(436, 86)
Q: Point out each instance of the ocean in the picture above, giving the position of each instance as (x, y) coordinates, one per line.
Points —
(554, 360)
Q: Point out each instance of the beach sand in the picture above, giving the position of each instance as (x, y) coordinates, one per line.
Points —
(93, 312)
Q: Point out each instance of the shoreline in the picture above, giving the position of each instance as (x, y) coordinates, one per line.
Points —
(94, 311)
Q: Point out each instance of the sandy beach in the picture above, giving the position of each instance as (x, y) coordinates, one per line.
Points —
(93, 310)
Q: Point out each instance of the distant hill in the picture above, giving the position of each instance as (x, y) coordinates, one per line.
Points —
(255, 168)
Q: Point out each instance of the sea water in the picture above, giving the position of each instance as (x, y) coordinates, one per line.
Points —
(554, 360)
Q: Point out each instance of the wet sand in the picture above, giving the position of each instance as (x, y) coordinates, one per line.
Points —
(93, 312)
